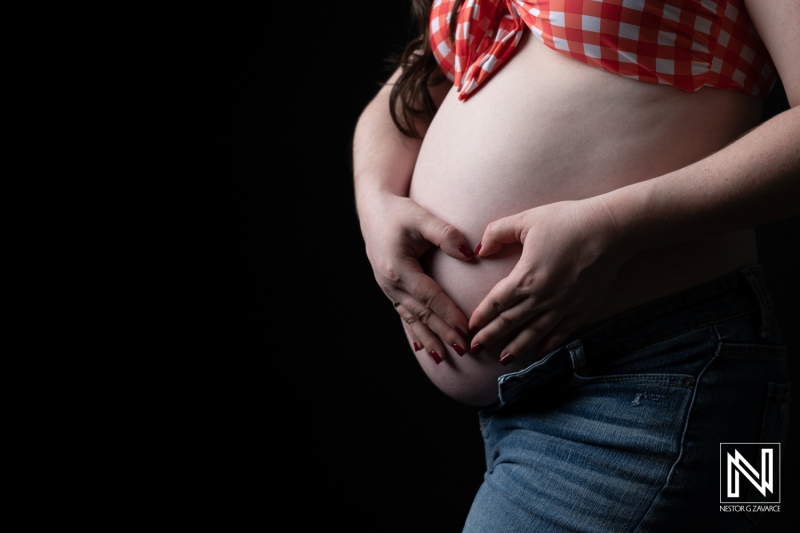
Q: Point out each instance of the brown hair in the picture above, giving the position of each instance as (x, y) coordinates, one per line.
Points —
(410, 97)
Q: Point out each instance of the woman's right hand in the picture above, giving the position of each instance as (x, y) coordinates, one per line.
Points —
(397, 232)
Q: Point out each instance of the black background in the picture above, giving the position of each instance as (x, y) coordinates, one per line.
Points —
(278, 381)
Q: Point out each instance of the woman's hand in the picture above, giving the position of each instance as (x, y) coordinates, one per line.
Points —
(571, 253)
(397, 232)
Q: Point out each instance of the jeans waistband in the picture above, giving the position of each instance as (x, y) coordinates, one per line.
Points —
(734, 294)
(739, 292)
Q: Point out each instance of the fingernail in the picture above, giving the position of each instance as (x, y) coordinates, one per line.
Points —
(459, 350)
(506, 358)
(466, 251)
(478, 248)
(417, 347)
(543, 353)
(436, 358)
(461, 332)
(477, 347)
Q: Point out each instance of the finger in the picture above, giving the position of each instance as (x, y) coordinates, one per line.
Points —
(421, 336)
(497, 233)
(420, 327)
(412, 336)
(505, 295)
(426, 339)
(425, 299)
(446, 236)
(529, 336)
(504, 323)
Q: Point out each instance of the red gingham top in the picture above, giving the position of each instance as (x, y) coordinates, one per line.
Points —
(685, 43)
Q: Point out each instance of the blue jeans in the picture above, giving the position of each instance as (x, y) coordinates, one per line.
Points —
(619, 430)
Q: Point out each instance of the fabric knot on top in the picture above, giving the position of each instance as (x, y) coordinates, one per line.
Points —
(487, 33)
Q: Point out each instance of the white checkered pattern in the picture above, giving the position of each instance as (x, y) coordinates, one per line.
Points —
(686, 43)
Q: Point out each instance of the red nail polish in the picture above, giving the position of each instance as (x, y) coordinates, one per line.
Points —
(417, 347)
(477, 347)
(436, 357)
(466, 251)
(460, 332)
(478, 248)
(506, 358)
(459, 350)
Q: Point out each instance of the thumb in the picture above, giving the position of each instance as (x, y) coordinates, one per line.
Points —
(499, 232)
(446, 237)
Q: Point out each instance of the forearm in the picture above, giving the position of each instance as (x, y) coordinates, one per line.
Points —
(397, 231)
(383, 158)
(754, 180)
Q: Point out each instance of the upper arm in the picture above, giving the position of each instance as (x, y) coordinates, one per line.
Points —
(778, 24)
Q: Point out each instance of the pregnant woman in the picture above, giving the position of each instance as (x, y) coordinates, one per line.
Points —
(559, 197)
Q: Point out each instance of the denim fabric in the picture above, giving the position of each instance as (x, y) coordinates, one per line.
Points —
(619, 430)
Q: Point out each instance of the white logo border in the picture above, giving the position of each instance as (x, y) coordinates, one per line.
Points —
(780, 478)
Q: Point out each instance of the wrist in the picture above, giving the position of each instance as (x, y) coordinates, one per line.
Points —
(615, 227)
(373, 197)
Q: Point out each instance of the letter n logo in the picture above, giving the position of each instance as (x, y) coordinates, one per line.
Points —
(750, 472)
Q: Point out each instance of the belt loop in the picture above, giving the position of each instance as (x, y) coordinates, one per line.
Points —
(575, 349)
(761, 297)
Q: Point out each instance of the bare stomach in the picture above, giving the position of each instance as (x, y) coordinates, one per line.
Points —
(547, 128)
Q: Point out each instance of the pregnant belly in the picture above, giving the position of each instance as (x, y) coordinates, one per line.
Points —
(573, 132)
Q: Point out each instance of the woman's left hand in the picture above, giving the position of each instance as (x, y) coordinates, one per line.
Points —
(571, 254)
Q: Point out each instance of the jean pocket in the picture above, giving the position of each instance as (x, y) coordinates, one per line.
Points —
(775, 425)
